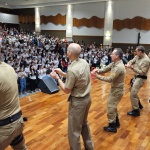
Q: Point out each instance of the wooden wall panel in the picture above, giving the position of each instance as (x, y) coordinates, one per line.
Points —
(26, 19)
(92, 22)
(137, 22)
(58, 19)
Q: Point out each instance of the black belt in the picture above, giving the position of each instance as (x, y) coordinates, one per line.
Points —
(139, 76)
(10, 119)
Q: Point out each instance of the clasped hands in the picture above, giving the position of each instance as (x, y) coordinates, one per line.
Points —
(95, 72)
(128, 65)
(55, 73)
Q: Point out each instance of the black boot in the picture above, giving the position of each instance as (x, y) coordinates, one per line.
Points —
(140, 105)
(117, 122)
(134, 112)
(111, 128)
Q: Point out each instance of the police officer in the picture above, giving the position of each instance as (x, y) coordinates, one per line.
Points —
(116, 79)
(78, 84)
(140, 65)
(11, 121)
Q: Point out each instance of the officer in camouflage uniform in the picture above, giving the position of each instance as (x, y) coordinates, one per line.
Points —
(140, 65)
(116, 79)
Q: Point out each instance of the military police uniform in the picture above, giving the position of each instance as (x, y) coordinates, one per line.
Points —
(79, 81)
(141, 67)
(11, 122)
(116, 79)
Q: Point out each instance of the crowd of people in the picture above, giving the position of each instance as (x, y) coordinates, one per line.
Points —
(34, 56)
(25, 56)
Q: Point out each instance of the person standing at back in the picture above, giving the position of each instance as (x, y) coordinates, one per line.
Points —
(140, 65)
(78, 84)
(11, 121)
(116, 78)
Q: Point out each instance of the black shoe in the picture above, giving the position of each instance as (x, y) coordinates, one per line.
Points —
(111, 128)
(117, 122)
(134, 113)
(140, 105)
(25, 119)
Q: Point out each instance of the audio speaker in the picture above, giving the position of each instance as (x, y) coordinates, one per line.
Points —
(48, 85)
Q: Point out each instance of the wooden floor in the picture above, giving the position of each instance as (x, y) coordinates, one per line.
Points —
(46, 128)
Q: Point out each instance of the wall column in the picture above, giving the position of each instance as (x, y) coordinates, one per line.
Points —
(37, 21)
(69, 22)
(108, 23)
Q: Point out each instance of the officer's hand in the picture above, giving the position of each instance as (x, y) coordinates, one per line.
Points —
(97, 75)
(93, 72)
(54, 75)
(128, 65)
(58, 70)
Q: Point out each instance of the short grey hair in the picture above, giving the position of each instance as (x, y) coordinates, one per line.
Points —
(119, 52)
(141, 48)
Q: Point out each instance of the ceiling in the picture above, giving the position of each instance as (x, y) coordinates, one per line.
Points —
(14, 4)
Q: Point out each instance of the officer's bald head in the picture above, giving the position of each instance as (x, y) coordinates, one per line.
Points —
(75, 49)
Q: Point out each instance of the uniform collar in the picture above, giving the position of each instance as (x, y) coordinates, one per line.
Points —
(117, 62)
(75, 60)
(141, 56)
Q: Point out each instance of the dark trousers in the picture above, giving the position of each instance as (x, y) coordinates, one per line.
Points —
(32, 84)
